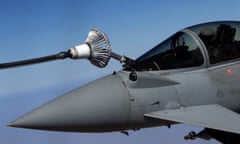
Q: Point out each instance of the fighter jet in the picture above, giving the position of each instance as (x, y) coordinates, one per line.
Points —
(192, 77)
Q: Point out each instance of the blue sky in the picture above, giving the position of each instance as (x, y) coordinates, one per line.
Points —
(32, 28)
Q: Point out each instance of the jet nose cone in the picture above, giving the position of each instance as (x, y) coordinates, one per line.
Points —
(102, 105)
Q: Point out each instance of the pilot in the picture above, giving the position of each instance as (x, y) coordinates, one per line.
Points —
(207, 35)
(221, 44)
(225, 34)
(225, 39)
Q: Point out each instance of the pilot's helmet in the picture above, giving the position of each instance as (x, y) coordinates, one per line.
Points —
(207, 36)
(207, 32)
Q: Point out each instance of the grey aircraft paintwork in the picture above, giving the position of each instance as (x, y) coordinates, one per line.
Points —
(192, 78)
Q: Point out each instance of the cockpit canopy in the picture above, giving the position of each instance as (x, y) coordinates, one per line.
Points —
(210, 43)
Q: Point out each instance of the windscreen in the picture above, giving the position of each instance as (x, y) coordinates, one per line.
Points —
(178, 51)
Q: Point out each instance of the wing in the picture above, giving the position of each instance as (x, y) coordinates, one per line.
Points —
(218, 120)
